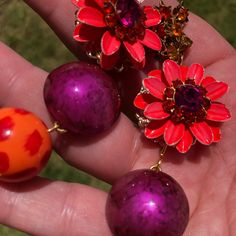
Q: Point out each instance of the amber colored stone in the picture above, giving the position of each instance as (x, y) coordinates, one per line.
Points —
(177, 30)
(182, 16)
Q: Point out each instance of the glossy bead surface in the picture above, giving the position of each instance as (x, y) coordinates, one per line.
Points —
(147, 203)
(25, 145)
(82, 98)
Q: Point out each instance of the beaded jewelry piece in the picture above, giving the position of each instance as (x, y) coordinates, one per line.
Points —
(177, 107)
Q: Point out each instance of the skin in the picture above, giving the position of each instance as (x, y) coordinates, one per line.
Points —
(207, 174)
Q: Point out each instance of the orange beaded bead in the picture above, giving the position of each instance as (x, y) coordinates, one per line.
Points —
(25, 145)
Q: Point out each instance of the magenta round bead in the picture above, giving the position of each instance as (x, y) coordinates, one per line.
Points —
(147, 203)
(82, 98)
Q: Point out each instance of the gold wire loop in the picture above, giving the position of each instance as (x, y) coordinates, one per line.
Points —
(56, 127)
(157, 166)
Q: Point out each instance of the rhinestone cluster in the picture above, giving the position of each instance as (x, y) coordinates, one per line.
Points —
(124, 20)
(186, 102)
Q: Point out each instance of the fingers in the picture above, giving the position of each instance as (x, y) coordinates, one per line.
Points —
(107, 156)
(60, 15)
(208, 45)
(21, 83)
(40, 207)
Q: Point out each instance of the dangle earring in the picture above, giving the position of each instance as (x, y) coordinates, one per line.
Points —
(177, 105)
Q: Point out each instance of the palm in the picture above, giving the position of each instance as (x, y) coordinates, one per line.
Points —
(42, 207)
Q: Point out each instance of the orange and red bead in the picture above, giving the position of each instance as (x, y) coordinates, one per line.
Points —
(25, 145)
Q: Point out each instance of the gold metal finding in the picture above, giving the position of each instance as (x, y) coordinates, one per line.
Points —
(56, 127)
(142, 122)
(157, 166)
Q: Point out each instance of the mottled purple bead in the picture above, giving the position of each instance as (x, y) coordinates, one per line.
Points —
(82, 98)
(147, 203)
(189, 97)
(128, 11)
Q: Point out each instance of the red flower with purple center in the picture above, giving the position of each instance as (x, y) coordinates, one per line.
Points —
(117, 27)
(180, 105)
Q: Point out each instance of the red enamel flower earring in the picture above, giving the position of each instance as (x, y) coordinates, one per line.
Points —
(115, 32)
(179, 106)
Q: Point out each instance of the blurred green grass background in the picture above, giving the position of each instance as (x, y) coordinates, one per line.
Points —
(26, 33)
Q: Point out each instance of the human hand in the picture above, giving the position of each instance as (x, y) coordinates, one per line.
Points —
(207, 174)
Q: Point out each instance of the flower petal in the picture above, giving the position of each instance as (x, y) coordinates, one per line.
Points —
(155, 73)
(109, 62)
(216, 134)
(207, 80)
(196, 72)
(151, 40)
(138, 65)
(155, 111)
(171, 70)
(218, 112)
(153, 16)
(155, 129)
(173, 133)
(88, 3)
(91, 16)
(202, 132)
(135, 50)
(109, 44)
(154, 86)
(142, 100)
(185, 143)
(184, 70)
(86, 33)
(79, 3)
(216, 90)
(100, 3)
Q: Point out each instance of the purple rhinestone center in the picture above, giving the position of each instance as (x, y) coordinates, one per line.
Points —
(189, 98)
(128, 12)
